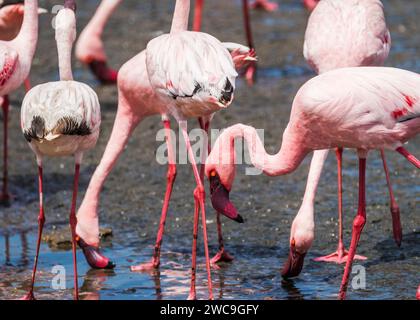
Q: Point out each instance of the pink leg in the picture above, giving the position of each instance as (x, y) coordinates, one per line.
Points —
(251, 69)
(358, 224)
(265, 5)
(409, 157)
(199, 196)
(27, 84)
(171, 175)
(198, 14)
(395, 210)
(41, 222)
(341, 255)
(73, 223)
(5, 196)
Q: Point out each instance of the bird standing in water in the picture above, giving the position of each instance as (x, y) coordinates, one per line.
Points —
(61, 119)
(364, 40)
(363, 108)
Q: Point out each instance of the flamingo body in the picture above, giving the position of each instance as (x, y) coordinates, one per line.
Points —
(61, 118)
(197, 78)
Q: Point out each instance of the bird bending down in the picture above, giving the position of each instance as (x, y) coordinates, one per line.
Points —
(331, 44)
(90, 47)
(137, 100)
(362, 108)
(15, 63)
(61, 119)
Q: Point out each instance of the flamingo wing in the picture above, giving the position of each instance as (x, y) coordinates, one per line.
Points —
(60, 108)
(8, 61)
(190, 65)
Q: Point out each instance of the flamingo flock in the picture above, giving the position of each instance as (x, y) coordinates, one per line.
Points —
(353, 102)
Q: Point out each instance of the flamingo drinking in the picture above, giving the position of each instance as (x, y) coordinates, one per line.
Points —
(363, 40)
(137, 99)
(363, 108)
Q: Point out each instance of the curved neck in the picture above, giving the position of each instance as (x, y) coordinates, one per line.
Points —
(181, 16)
(27, 38)
(291, 153)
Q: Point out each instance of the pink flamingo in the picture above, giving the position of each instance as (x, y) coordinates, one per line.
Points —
(61, 119)
(90, 48)
(363, 108)
(310, 4)
(15, 63)
(137, 100)
(331, 44)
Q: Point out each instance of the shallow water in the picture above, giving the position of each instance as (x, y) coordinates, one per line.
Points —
(260, 246)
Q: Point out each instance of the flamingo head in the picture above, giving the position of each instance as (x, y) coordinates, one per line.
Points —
(65, 23)
(221, 177)
(301, 238)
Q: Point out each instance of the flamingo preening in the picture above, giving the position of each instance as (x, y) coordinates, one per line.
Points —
(199, 83)
(15, 62)
(363, 40)
(61, 119)
(363, 108)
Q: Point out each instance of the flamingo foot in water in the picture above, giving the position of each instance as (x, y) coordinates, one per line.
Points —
(221, 256)
(103, 73)
(144, 267)
(339, 257)
(94, 258)
(265, 5)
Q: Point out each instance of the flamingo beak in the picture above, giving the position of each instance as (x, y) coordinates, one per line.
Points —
(294, 264)
(220, 199)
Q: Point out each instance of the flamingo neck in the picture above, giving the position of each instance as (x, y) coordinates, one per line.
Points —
(65, 35)
(181, 16)
(291, 153)
(102, 15)
(27, 38)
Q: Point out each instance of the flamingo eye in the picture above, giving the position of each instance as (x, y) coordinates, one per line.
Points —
(213, 173)
(293, 243)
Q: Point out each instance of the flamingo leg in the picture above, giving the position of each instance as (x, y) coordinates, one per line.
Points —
(73, 223)
(341, 255)
(5, 196)
(409, 157)
(199, 197)
(41, 222)
(222, 255)
(418, 293)
(198, 14)
(27, 84)
(264, 5)
(170, 179)
(358, 224)
(251, 69)
(395, 210)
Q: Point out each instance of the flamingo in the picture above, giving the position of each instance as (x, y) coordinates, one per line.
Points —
(362, 108)
(16, 59)
(137, 99)
(90, 48)
(331, 44)
(265, 5)
(61, 119)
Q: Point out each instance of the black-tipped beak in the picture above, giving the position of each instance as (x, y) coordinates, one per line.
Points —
(220, 199)
(294, 264)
